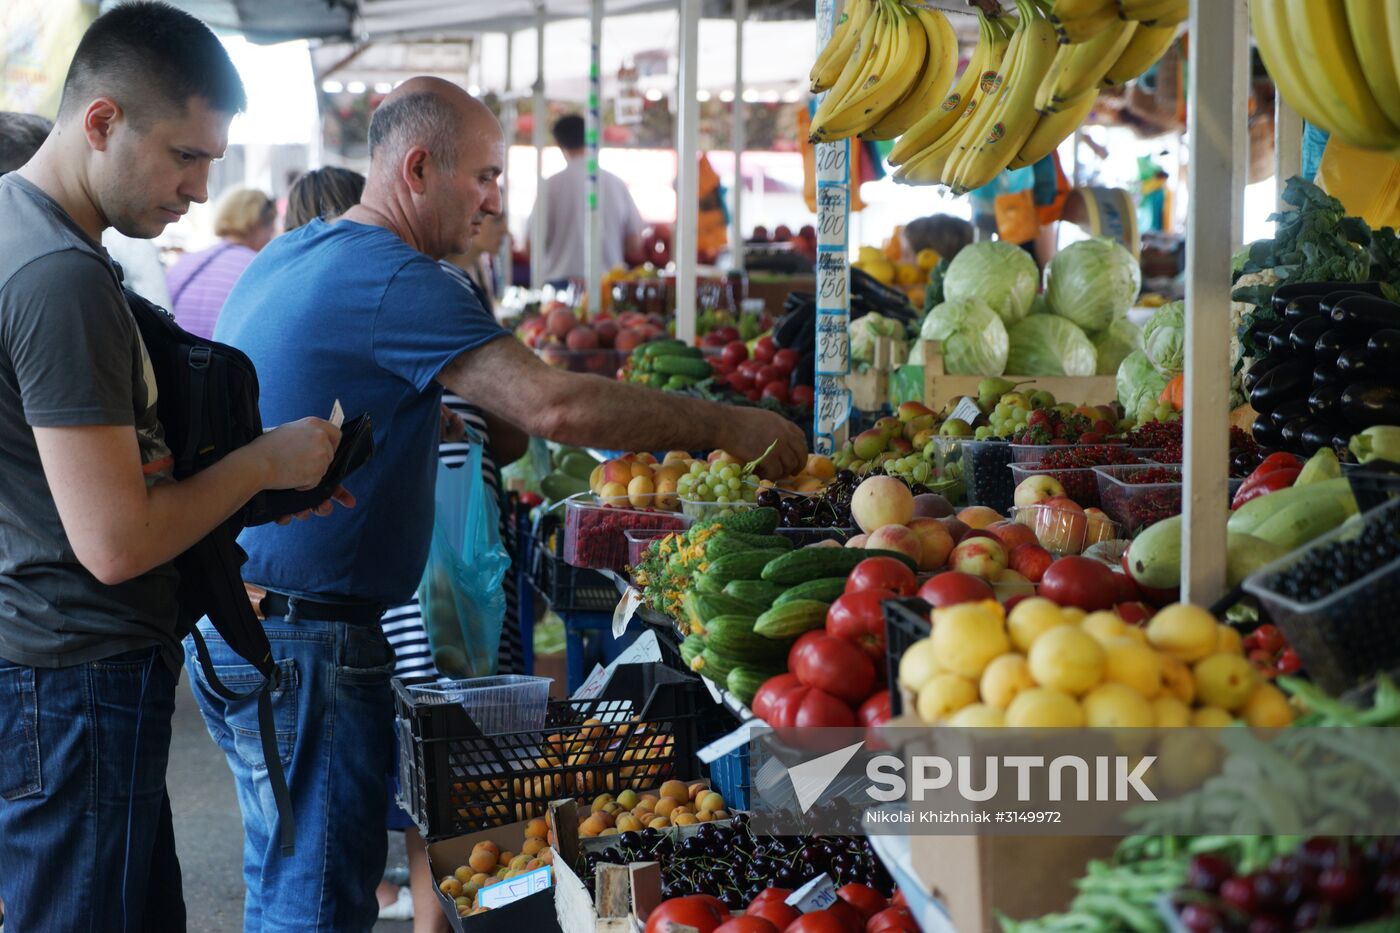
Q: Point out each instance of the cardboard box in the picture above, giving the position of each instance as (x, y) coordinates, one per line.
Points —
(533, 913)
(623, 893)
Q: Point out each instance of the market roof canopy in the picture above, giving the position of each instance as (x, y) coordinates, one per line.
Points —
(269, 21)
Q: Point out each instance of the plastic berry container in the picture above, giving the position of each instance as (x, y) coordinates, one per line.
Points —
(595, 534)
(639, 541)
(1135, 505)
(1063, 531)
(699, 510)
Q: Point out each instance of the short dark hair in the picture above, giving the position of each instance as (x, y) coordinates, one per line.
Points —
(21, 135)
(151, 59)
(944, 234)
(421, 119)
(322, 192)
(568, 131)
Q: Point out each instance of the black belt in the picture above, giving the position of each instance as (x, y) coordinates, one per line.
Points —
(280, 604)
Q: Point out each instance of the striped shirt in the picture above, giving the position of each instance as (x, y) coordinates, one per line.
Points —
(201, 282)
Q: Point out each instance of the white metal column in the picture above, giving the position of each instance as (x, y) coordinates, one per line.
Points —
(736, 225)
(538, 138)
(686, 241)
(1288, 146)
(833, 351)
(1219, 36)
(508, 117)
(593, 138)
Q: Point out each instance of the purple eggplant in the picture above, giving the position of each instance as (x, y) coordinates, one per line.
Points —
(1365, 313)
(1285, 381)
(1303, 338)
(1325, 402)
(1367, 404)
(1383, 349)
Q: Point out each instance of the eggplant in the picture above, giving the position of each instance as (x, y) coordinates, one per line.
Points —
(1323, 377)
(1278, 341)
(1265, 434)
(1303, 338)
(1302, 309)
(1325, 402)
(1316, 435)
(1292, 409)
(1292, 434)
(1285, 294)
(1365, 313)
(1383, 349)
(1256, 371)
(1330, 343)
(1279, 384)
(1352, 365)
(1367, 404)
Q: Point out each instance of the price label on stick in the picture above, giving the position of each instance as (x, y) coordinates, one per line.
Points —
(513, 889)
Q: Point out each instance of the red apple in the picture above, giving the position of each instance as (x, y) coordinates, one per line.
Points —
(935, 541)
(952, 587)
(1031, 561)
(1127, 588)
(981, 557)
(1136, 613)
(1011, 534)
(1081, 582)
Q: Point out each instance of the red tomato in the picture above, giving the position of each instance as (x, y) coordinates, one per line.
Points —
(898, 899)
(769, 894)
(837, 667)
(763, 350)
(803, 395)
(775, 912)
(734, 353)
(753, 395)
(808, 707)
(952, 587)
(892, 920)
(750, 368)
(748, 924)
(786, 360)
(820, 921)
(882, 573)
(740, 381)
(863, 898)
(768, 373)
(876, 710)
(848, 915)
(776, 390)
(802, 644)
(773, 690)
(694, 911)
(858, 618)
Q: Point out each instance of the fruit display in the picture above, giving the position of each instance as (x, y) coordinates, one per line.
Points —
(766, 372)
(595, 536)
(674, 804)
(1073, 469)
(561, 338)
(1165, 441)
(640, 481)
(491, 864)
(1045, 665)
(1268, 650)
(666, 364)
(570, 474)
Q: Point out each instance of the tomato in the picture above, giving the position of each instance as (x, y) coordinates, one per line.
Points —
(748, 924)
(750, 368)
(801, 645)
(753, 395)
(1081, 582)
(898, 899)
(775, 912)
(803, 395)
(882, 573)
(820, 921)
(776, 390)
(876, 710)
(768, 373)
(786, 360)
(740, 381)
(694, 911)
(734, 353)
(848, 915)
(809, 707)
(863, 898)
(892, 920)
(838, 667)
(773, 690)
(726, 334)
(770, 894)
(763, 349)
(858, 618)
(952, 587)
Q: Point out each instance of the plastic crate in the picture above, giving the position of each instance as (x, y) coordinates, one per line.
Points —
(1374, 484)
(566, 588)
(594, 535)
(454, 779)
(503, 703)
(1350, 634)
(906, 621)
(1136, 505)
(729, 775)
(1064, 531)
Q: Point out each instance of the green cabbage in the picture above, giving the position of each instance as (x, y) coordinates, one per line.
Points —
(1139, 384)
(1002, 275)
(1046, 345)
(866, 328)
(1093, 282)
(1164, 338)
(975, 342)
(1115, 343)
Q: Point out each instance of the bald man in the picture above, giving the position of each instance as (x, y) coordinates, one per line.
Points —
(359, 310)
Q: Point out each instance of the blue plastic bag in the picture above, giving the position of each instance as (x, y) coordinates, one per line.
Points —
(461, 595)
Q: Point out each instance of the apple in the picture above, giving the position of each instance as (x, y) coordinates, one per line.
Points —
(897, 538)
(1030, 561)
(1135, 613)
(1011, 534)
(957, 528)
(1060, 525)
(978, 516)
(908, 411)
(1081, 582)
(582, 337)
(952, 587)
(1009, 583)
(1128, 589)
(880, 501)
(1033, 490)
(934, 540)
(981, 557)
(560, 321)
(931, 505)
(857, 540)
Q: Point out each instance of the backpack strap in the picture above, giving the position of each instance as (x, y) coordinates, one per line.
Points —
(198, 371)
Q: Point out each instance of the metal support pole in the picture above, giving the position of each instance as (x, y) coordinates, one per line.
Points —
(686, 242)
(504, 259)
(1219, 31)
(538, 138)
(1288, 146)
(593, 136)
(833, 360)
(736, 225)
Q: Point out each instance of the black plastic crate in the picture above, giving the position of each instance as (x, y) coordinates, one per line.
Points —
(1374, 484)
(906, 621)
(566, 588)
(646, 728)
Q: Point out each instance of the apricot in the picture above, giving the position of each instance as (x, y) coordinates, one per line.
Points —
(601, 801)
(684, 819)
(450, 886)
(463, 874)
(665, 805)
(546, 857)
(659, 822)
(628, 823)
(489, 846)
(537, 829)
(505, 857)
(704, 816)
(710, 801)
(532, 845)
(482, 860)
(480, 880)
(697, 789)
(676, 790)
(592, 826)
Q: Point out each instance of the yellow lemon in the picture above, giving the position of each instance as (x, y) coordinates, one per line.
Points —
(1066, 659)
(1005, 677)
(1183, 631)
(967, 636)
(1044, 708)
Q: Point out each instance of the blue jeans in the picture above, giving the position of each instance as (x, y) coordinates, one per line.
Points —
(334, 720)
(85, 834)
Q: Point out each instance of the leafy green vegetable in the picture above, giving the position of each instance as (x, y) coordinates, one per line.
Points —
(975, 341)
(1114, 344)
(1164, 338)
(1093, 282)
(1139, 384)
(864, 331)
(1047, 345)
(933, 292)
(999, 273)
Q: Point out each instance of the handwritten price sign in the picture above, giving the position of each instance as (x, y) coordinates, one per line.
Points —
(833, 350)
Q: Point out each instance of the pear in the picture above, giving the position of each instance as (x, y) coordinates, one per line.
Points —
(955, 427)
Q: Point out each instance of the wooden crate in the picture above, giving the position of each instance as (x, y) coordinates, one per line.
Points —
(623, 892)
(939, 386)
(870, 390)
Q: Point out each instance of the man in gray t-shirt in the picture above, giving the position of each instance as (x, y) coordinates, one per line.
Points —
(90, 516)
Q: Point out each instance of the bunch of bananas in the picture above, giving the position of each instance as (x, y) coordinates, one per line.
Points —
(885, 66)
(1026, 89)
(1334, 62)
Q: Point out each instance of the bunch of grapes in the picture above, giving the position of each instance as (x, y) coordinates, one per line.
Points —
(1005, 420)
(718, 482)
(913, 469)
(1162, 411)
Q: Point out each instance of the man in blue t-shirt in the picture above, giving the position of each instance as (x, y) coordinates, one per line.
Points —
(358, 310)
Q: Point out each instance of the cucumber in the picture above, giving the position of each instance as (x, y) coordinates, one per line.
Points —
(700, 608)
(791, 619)
(731, 542)
(823, 589)
(744, 682)
(714, 665)
(658, 348)
(761, 521)
(676, 365)
(734, 636)
(757, 592)
(742, 565)
(812, 563)
(691, 648)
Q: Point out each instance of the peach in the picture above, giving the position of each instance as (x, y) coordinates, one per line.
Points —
(881, 501)
(617, 471)
(957, 528)
(1031, 560)
(1011, 534)
(897, 538)
(857, 540)
(980, 557)
(977, 516)
(935, 542)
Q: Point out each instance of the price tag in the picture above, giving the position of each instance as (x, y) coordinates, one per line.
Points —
(511, 890)
(833, 280)
(967, 410)
(833, 345)
(833, 163)
(817, 894)
(592, 688)
(833, 401)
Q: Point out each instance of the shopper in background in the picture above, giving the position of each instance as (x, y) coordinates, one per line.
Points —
(322, 193)
(90, 516)
(945, 234)
(479, 261)
(245, 221)
(565, 198)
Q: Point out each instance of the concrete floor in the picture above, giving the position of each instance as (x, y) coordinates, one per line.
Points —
(208, 831)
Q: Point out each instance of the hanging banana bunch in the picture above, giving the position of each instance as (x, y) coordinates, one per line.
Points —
(1081, 20)
(885, 66)
(1334, 62)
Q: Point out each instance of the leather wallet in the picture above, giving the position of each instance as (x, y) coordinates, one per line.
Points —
(356, 446)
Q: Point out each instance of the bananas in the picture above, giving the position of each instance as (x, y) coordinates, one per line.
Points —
(1081, 20)
(1078, 68)
(1054, 128)
(1155, 12)
(884, 68)
(1333, 61)
(1147, 45)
